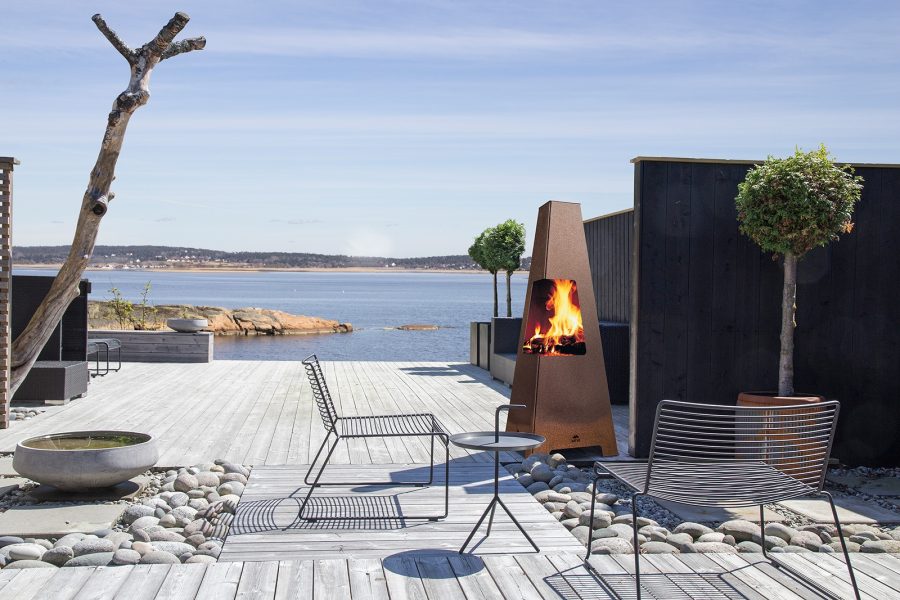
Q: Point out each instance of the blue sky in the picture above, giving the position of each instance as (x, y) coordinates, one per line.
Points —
(404, 128)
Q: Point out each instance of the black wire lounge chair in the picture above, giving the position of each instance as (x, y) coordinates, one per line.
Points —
(732, 456)
(383, 426)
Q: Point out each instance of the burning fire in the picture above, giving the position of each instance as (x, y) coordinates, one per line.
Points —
(565, 332)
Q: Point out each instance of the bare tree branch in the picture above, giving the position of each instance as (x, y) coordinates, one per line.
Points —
(161, 42)
(113, 38)
(182, 46)
(95, 202)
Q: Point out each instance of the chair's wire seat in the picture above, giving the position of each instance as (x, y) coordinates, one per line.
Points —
(390, 425)
(723, 483)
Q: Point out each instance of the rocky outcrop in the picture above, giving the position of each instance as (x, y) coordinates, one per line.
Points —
(222, 321)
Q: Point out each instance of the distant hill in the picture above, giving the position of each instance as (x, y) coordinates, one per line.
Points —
(180, 257)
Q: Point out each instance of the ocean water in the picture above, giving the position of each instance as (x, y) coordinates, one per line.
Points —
(373, 302)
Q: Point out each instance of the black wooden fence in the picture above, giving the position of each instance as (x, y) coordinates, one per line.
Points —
(705, 313)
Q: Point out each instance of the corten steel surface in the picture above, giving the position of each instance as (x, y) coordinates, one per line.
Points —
(566, 397)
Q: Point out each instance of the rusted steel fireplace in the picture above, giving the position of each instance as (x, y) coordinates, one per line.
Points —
(560, 375)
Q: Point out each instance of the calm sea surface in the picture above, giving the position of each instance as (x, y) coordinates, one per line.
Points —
(372, 302)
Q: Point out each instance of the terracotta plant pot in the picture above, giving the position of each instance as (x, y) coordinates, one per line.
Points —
(773, 399)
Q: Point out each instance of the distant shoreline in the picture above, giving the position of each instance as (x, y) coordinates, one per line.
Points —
(272, 270)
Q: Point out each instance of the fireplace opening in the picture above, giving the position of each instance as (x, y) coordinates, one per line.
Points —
(554, 326)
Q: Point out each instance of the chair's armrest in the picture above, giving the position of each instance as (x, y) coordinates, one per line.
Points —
(600, 471)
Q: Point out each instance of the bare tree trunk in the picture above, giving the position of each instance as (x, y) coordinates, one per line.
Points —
(508, 294)
(788, 323)
(96, 198)
(496, 304)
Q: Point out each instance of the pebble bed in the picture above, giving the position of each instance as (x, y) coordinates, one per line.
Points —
(566, 492)
(183, 516)
(23, 413)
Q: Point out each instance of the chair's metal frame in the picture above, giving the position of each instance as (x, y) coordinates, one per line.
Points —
(732, 456)
(382, 426)
(108, 344)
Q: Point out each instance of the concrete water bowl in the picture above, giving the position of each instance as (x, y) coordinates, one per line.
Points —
(80, 460)
(187, 325)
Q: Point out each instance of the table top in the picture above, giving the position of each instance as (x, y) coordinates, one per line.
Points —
(505, 442)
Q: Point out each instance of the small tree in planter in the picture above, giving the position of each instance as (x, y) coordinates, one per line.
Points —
(484, 256)
(789, 206)
(506, 243)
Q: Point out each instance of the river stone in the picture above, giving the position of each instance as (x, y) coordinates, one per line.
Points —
(201, 493)
(8, 540)
(30, 564)
(680, 540)
(184, 512)
(198, 503)
(695, 530)
(572, 509)
(655, 535)
(536, 487)
(780, 530)
(540, 472)
(197, 526)
(892, 546)
(135, 512)
(622, 530)
(159, 558)
(185, 482)
(526, 480)
(195, 540)
(771, 541)
(97, 559)
(168, 520)
(176, 548)
(226, 477)
(47, 544)
(599, 534)
(166, 536)
(25, 551)
(68, 540)
(143, 523)
(606, 498)
(749, 547)
(58, 556)
(550, 506)
(851, 546)
(712, 536)
(93, 546)
(865, 535)
(142, 547)
(740, 529)
(206, 478)
(826, 548)
(178, 499)
(614, 545)
(582, 534)
(161, 511)
(569, 523)
(126, 557)
(806, 539)
(713, 548)
(118, 538)
(141, 536)
(601, 519)
(230, 498)
(658, 548)
(556, 481)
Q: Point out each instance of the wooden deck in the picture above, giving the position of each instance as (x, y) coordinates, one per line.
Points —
(454, 577)
(265, 526)
(262, 412)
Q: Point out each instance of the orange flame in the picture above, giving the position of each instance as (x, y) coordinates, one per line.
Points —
(565, 325)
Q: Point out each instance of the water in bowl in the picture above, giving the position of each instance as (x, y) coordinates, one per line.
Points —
(84, 442)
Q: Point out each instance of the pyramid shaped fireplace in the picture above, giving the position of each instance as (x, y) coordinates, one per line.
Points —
(560, 375)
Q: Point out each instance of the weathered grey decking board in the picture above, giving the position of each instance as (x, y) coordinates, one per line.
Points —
(265, 527)
(262, 412)
(454, 577)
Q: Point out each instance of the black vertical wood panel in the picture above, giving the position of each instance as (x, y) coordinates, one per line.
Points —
(609, 251)
(707, 307)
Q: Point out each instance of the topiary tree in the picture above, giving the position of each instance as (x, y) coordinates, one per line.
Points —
(789, 206)
(506, 244)
(483, 255)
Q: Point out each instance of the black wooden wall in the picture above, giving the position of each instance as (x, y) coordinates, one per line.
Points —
(706, 306)
(609, 252)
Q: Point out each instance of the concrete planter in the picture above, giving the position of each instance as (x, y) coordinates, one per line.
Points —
(85, 459)
(187, 325)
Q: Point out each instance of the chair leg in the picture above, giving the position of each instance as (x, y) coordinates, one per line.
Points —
(637, 548)
(591, 523)
(837, 523)
(318, 454)
(315, 482)
(762, 530)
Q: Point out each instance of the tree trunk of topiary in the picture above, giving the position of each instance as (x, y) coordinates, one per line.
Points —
(496, 303)
(508, 294)
(65, 286)
(788, 323)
